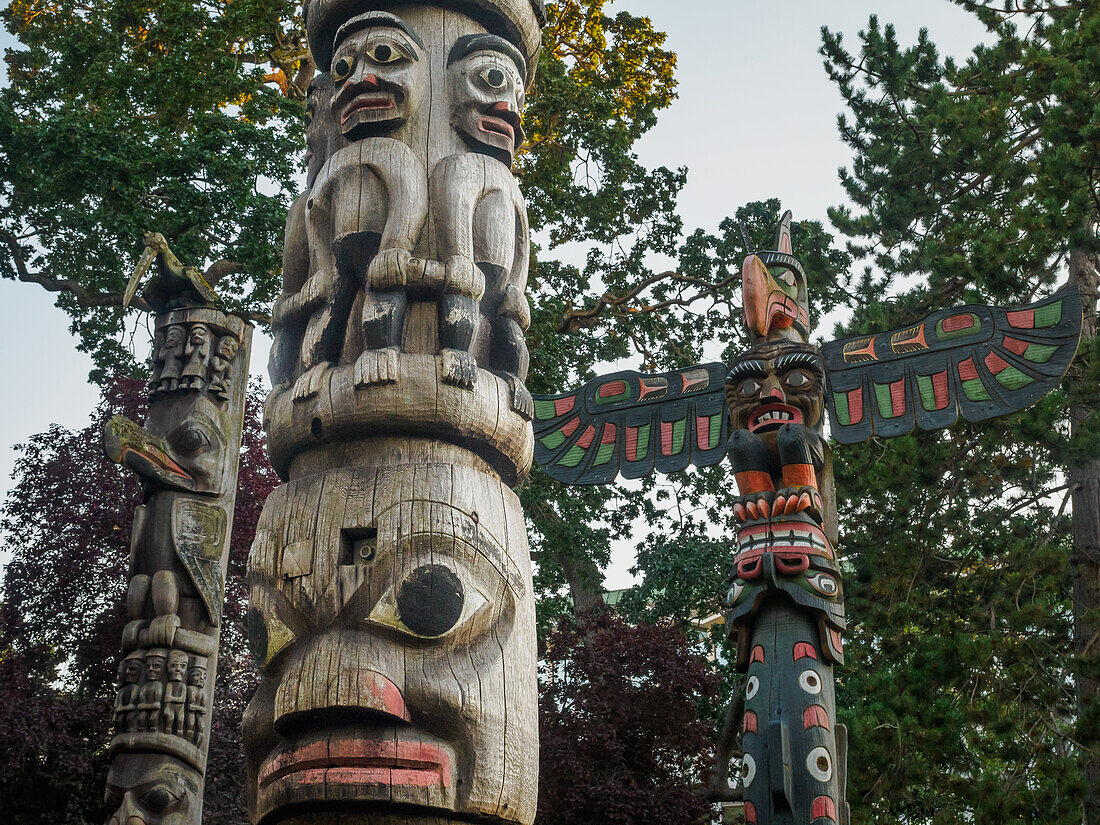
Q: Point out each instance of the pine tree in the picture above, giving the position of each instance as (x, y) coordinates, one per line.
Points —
(976, 181)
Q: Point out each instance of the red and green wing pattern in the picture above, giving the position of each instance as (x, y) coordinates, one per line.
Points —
(975, 361)
(633, 424)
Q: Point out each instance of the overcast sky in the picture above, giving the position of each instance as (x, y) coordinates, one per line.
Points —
(755, 118)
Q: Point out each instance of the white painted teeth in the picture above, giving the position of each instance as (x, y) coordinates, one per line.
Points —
(775, 415)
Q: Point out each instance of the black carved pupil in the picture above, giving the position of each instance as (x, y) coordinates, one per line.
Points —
(496, 77)
(343, 67)
(383, 53)
(430, 599)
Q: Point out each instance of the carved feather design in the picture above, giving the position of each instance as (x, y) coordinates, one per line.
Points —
(633, 424)
(975, 361)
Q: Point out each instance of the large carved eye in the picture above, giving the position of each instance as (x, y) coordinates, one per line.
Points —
(824, 584)
(160, 799)
(748, 769)
(429, 602)
(786, 277)
(192, 439)
(342, 68)
(494, 78)
(751, 687)
(810, 682)
(750, 386)
(820, 764)
(388, 51)
(734, 593)
(798, 379)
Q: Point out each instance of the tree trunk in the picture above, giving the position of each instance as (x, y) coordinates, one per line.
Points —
(585, 583)
(1084, 479)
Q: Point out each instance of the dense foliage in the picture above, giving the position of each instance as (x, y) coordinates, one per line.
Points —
(66, 524)
(122, 117)
(974, 180)
(621, 738)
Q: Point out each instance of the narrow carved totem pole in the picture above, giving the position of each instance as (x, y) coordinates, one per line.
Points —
(391, 611)
(785, 616)
(186, 455)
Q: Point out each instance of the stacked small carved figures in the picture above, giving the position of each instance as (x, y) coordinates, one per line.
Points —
(786, 611)
(186, 455)
(391, 610)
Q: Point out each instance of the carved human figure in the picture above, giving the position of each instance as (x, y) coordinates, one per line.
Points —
(152, 690)
(224, 353)
(197, 353)
(151, 789)
(175, 693)
(130, 670)
(380, 75)
(481, 217)
(157, 358)
(194, 725)
(485, 79)
(175, 338)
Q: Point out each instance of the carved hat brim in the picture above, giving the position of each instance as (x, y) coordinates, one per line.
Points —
(518, 21)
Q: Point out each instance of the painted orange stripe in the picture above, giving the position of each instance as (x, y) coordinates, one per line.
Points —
(631, 443)
(666, 437)
(702, 431)
(570, 427)
(614, 388)
(608, 436)
(1014, 345)
(1021, 319)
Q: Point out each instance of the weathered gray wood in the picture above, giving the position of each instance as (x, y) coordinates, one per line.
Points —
(393, 617)
(186, 455)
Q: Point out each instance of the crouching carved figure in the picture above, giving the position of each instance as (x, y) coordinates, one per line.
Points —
(391, 607)
(186, 456)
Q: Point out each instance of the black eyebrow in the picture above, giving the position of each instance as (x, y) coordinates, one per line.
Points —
(376, 18)
(470, 43)
(743, 368)
(797, 359)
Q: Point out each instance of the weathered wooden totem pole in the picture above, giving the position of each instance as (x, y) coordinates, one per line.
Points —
(186, 455)
(785, 614)
(391, 606)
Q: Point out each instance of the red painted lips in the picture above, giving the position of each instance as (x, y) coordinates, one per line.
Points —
(503, 121)
(772, 417)
(369, 102)
(399, 759)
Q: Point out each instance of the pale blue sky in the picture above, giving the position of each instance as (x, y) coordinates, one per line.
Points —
(755, 118)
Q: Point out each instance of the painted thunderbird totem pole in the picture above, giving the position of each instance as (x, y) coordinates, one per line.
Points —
(391, 608)
(186, 455)
(785, 607)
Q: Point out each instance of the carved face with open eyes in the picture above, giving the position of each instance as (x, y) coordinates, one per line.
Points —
(379, 74)
(485, 76)
(420, 612)
(776, 384)
(150, 789)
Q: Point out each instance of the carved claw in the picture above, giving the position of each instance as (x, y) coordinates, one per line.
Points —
(376, 366)
(522, 403)
(459, 369)
(162, 631)
(309, 383)
(131, 634)
(790, 500)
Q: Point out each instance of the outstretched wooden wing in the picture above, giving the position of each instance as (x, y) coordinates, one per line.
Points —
(633, 424)
(979, 361)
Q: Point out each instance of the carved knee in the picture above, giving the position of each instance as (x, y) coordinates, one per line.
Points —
(389, 269)
(464, 277)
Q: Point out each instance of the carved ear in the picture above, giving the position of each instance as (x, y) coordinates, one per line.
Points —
(783, 234)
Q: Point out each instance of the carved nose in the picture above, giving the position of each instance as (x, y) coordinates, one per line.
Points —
(502, 106)
(772, 391)
(369, 80)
